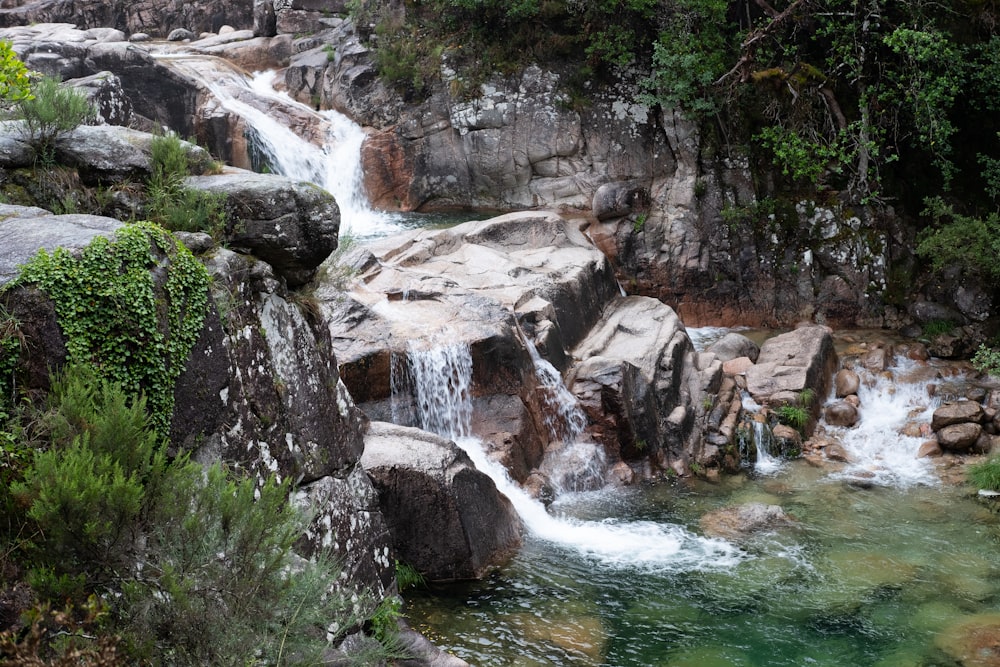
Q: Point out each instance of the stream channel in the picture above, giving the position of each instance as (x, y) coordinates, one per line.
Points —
(885, 565)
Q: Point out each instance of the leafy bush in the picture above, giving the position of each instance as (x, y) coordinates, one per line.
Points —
(110, 309)
(51, 111)
(196, 565)
(14, 83)
(986, 475)
(987, 360)
(967, 241)
(171, 204)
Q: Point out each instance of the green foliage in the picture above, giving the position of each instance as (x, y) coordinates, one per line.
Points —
(802, 158)
(51, 111)
(14, 83)
(795, 416)
(384, 622)
(987, 360)
(116, 319)
(806, 397)
(936, 328)
(196, 564)
(986, 475)
(170, 203)
(955, 239)
(407, 576)
(689, 56)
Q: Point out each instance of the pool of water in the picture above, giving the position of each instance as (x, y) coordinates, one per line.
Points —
(866, 576)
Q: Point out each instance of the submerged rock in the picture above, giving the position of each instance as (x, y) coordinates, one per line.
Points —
(973, 641)
(741, 521)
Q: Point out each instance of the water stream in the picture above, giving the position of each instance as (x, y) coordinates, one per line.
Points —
(872, 576)
(330, 160)
(441, 377)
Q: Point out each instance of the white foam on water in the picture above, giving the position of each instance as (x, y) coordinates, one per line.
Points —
(442, 380)
(879, 453)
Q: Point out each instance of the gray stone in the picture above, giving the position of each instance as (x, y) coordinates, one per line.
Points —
(446, 518)
(180, 35)
(734, 345)
(26, 230)
(616, 200)
(291, 225)
(803, 359)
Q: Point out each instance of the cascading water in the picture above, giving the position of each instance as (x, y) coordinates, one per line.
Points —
(879, 453)
(334, 166)
(757, 434)
(442, 378)
(571, 463)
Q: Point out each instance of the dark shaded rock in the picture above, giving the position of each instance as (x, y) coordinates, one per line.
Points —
(291, 225)
(447, 519)
(105, 92)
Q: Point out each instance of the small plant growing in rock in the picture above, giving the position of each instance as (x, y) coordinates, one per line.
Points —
(173, 205)
(795, 416)
(51, 112)
(987, 360)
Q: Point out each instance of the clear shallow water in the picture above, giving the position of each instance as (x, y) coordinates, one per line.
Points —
(867, 577)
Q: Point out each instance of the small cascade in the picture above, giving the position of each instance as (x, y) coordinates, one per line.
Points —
(878, 452)
(754, 435)
(330, 157)
(442, 379)
(564, 418)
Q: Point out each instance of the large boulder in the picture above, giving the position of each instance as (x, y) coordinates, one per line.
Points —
(791, 363)
(290, 225)
(957, 412)
(447, 519)
(638, 381)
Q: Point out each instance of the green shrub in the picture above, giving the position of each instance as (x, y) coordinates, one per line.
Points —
(14, 82)
(795, 416)
(170, 203)
(52, 111)
(987, 360)
(936, 328)
(986, 475)
(195, 564)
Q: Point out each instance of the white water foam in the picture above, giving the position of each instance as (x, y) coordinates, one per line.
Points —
(879, 453)
(442, 378)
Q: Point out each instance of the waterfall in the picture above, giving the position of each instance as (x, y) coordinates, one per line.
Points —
(879, 453)
(564, 418)
(333, 163)
(757, 434)
(442, 379)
